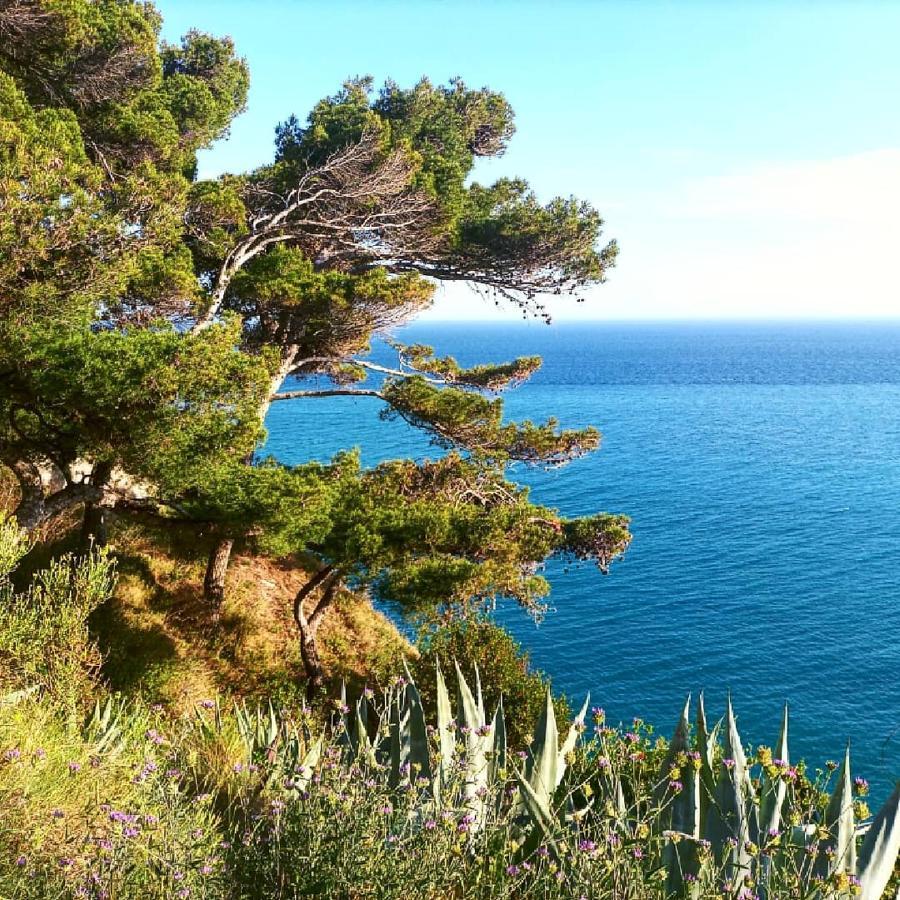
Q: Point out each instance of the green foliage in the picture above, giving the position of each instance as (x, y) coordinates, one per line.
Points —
(498, 236)
(457, 417)
(244, 802)
(478, 644)
(161, 403)
(492, 377)
(322, 312)
(44, 640)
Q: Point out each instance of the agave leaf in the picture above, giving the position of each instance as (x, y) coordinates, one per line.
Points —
(543, 765)
(729, 816)
(498, 751)
(400, 740)
(880, 849)
(480, 700)
(476, 770)
(774, 788)
(468, 706)
(418, 736)
(244, 725)
(571, 740)
(536, 806)
(362, 711)
(308, 765)
(446, 740)
(274, 728)
(706, 746)
(680, 743)
(839, 822)
(682, 814)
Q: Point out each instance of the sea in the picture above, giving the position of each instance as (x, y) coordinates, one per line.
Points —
(760, 466)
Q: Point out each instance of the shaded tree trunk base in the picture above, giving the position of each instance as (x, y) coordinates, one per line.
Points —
(312, 664)
(93, 527)
(216, 570)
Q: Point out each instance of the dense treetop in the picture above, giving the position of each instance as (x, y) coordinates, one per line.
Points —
(148, 319)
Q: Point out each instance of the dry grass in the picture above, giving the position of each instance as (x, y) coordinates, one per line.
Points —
(158, 636)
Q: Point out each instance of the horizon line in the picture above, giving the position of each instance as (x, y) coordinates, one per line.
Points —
(724, 320)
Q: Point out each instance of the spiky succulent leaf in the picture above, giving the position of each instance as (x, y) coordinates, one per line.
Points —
(729, 818)
(467, 706)
(880, 849)
(682, 812)
(680, 743)
(838, 820)
(568, 745)
(540, 813)
(543, 763)
(419, 761)
(706, 746)
(308, 765)
(498, 750)
(774, 788)
(477, 745)
(445, 734)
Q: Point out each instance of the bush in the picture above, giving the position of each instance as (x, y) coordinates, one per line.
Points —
(502, 666)
(44, 639)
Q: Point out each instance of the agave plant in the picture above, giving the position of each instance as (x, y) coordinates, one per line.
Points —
(469, 757)
(290, 754)
(703, 817)
(718, 808)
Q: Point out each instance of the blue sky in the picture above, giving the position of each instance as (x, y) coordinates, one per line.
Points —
(745, 155)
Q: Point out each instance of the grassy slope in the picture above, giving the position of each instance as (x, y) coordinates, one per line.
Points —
(157, 635)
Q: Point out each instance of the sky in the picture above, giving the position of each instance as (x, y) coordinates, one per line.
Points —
(745, 155)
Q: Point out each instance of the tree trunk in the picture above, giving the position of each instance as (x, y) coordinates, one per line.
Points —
(312, 664)
(37, 507)
(216, 570)
(309, 626)
(93, 523)
(93, 526)
(220, 555)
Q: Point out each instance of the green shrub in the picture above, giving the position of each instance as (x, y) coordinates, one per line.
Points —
(44, 639)
(503, 667)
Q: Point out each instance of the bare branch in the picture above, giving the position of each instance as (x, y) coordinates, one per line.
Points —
(357, 205)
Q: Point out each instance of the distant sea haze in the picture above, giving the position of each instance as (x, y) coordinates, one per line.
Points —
(760, 464)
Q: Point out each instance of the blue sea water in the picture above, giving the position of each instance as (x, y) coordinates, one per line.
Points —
(760, 464)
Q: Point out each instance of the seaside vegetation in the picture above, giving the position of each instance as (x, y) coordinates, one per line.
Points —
(197, 696)
(105, 795)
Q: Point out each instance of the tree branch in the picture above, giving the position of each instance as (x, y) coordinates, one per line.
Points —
(304, 592)
(324, 601)
(330, 392)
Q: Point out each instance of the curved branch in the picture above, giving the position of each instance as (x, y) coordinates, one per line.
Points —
(324, 601)
(331, 392)
(304, 592)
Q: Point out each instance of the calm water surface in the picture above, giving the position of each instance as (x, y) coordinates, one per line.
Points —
(761, 467)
